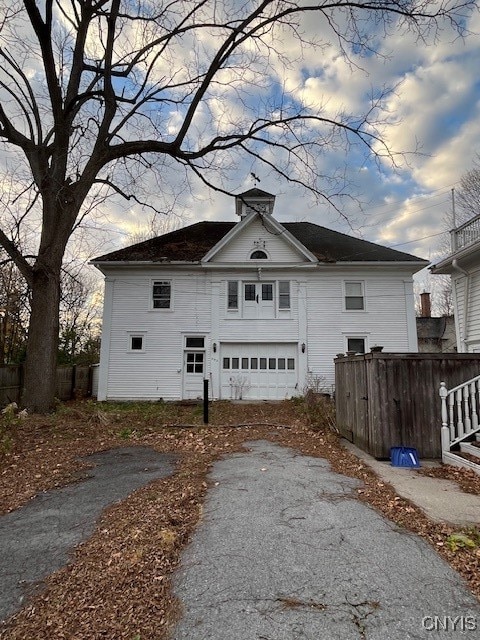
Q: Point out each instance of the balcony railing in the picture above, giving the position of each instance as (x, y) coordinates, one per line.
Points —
(466, 234)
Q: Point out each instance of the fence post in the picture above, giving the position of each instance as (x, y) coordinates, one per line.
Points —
(445, 432)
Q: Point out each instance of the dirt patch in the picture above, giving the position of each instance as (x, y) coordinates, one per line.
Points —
(118, 583)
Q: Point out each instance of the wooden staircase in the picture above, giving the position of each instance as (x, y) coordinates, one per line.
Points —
(460, 424)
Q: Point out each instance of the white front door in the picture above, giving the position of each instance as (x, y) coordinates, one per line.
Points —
(194, 366)
(258, 300)
(263, 371)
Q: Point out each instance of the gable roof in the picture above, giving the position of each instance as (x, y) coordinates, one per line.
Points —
(192, 243)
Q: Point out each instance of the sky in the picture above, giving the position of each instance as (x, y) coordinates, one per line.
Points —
(430, 121)
(433, 115)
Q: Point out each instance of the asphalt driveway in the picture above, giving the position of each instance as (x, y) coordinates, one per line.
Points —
(36, 539)
(285, 551)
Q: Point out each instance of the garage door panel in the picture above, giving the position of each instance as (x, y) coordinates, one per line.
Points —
(259, 371)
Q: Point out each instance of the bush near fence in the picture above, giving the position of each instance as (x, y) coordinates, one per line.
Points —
(72, 382)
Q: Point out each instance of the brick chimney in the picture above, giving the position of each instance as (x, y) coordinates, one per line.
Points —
(426, 307)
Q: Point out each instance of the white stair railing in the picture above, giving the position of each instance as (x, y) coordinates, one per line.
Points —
(460, 409)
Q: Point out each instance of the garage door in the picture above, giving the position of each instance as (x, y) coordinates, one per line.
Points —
(267, 371)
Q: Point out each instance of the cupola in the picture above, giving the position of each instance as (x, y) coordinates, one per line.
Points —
(254, 201)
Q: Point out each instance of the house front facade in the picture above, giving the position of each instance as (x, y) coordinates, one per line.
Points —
(463, 265)
(258, 308)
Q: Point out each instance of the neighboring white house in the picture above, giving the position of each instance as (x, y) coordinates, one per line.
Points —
(463, 265)
(258, 308)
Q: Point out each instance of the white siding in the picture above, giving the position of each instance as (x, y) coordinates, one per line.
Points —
(155, 372)
(384, 321)
(240, 248)
(317, 318)
(474, 310)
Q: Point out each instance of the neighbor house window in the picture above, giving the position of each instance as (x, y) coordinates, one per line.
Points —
(233, 294)
(162, 294)
(284, 294)
(357, 345)
(354, 296)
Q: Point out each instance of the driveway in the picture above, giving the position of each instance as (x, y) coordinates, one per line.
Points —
(36, 539)
(285, 551)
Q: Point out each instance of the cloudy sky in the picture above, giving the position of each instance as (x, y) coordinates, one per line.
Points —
(434, 108)
(430, 121)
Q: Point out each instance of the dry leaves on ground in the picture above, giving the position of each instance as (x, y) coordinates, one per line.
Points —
(118, 583)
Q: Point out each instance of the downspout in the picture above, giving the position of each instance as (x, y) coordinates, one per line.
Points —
(466, 296)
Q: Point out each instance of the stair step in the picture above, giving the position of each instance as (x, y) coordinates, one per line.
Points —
(457, 461)
(466, 447)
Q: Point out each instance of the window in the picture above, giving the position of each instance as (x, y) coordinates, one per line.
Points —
(162, 293)
(136, 343)
(284, 294)
(195, 343)
(356, 344)
(226, 363)
(233, 294)
(195, 362)
(258, 255)
(267, 291)
(354, 298)
(250, 292)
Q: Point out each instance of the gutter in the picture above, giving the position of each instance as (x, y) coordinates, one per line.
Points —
(466, 297)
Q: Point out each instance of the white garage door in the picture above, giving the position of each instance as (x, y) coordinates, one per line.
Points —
(267, 371)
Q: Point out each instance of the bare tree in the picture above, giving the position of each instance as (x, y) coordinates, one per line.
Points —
(98, 95)
(467, 196)
(14, 314)
(79, 317)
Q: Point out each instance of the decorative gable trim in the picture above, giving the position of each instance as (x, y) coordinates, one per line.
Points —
(271, 224)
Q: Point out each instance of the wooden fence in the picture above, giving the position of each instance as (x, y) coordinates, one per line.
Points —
(386, 400)
(72, 381)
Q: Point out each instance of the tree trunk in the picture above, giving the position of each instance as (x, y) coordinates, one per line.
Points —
(41, 364)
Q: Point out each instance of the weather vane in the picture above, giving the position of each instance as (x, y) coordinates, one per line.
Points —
(255, 179)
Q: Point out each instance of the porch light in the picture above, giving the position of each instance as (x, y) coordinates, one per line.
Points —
(214, 347)
(303, 347)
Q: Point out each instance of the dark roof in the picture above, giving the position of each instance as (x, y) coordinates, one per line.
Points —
(431, 328)
(191, 243)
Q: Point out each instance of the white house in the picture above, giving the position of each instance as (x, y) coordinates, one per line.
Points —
(463, 265)
(258, 308)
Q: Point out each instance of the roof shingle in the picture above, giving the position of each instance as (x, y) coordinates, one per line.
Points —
(191, 243)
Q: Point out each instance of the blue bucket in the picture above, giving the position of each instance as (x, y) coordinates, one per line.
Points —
(404, 457)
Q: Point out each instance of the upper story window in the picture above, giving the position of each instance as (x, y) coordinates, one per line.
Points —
(261, 300)
(354, 296)
(284, 294)
(162, 294)
(258, 255)
(233, 294)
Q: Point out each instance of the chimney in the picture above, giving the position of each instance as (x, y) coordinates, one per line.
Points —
(426, 307)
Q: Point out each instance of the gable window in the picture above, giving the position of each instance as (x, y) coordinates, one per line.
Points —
(233, 294)
(258, 255)
(162, 294)
(357, 345)
(354, 296)
(284, 294)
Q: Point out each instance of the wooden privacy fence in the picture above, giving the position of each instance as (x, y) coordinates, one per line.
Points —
(386, 400)
(72, 381)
